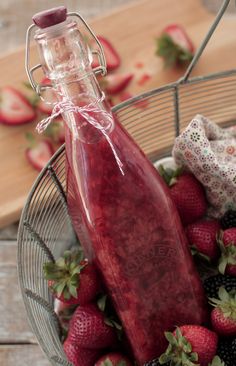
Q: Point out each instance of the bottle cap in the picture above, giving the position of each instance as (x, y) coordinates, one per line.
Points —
(50, 17)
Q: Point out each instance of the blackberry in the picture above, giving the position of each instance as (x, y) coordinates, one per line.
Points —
(212, 284)
(233, 347)
(155, 363)
(224, 351)
(228, 220)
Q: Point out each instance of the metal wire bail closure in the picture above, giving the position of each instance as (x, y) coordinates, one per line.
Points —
(101, 69)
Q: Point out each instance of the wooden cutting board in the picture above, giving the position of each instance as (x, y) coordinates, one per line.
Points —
(132, 30)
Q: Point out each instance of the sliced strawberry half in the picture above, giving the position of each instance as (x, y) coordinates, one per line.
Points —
(39, 152)
(15, 109)
(175, 46)
(112, 57)
(116, 83)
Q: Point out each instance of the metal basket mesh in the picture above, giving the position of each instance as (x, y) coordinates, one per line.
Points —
(45, 229)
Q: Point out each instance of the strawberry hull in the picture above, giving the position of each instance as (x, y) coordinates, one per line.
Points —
(142, 271)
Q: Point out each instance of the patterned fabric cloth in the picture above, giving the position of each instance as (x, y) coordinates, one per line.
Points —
(209, 152)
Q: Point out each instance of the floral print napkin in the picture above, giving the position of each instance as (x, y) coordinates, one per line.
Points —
(209, 152)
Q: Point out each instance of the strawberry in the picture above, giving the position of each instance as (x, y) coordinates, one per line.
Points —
(115, 83)
(174, 46)
(39, 152)
(187, 193)
(190, 345)
(223, 316)
(112, 58)
(227, 244)
(113, 359)
(80, 356)
(202, 237)
(88, 328)
(72, 279)
(15, 109)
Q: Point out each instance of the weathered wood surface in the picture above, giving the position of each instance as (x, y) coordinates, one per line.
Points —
(18, 346)
(14, 326)
(22, 355)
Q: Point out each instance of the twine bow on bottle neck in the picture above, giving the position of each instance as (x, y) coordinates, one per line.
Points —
(66, 106)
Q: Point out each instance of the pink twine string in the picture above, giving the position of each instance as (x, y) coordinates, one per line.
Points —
(67, 105)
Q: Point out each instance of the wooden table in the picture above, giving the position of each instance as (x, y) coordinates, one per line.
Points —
(18, 346)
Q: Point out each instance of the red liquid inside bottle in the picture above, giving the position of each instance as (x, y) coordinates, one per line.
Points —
(121, 208)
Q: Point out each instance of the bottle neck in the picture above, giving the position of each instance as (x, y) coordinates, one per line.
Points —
(66, 61)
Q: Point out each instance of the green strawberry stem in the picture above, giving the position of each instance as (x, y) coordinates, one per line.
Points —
(226, 302)
(195, 252)
(171, 52)
(179, 351)
(228, 254)
(217, 362)
(65, 273)
(111, 318)
(170, 175)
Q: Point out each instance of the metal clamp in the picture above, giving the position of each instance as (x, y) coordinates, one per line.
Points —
(101, 69)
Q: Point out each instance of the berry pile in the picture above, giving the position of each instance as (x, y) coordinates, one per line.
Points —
(94, 333)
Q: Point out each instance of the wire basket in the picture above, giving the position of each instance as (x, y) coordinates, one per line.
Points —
(45, 229)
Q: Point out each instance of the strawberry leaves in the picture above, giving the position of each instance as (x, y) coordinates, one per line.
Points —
(63, 274)
(217, 362)
(179, 351)
(226, 302)
(171, 52)
(111, 318)
(174, 46)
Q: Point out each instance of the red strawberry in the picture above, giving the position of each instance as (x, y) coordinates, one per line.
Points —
(174, 46)
(39, 152)
(227, 244)
(223, 317)
(88, 328)
(80, 356)
(113, 359)
(187, 193)
(202, 237)
(190, 345)
(15, 109)
(115, 83)
(72, 279)
(112, 57)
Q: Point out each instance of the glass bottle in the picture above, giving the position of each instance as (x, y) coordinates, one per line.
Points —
(119, 205)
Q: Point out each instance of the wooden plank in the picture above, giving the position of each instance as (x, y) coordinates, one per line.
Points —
(133, 31)
(19, 355)
(14, 326)
(9, 232)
